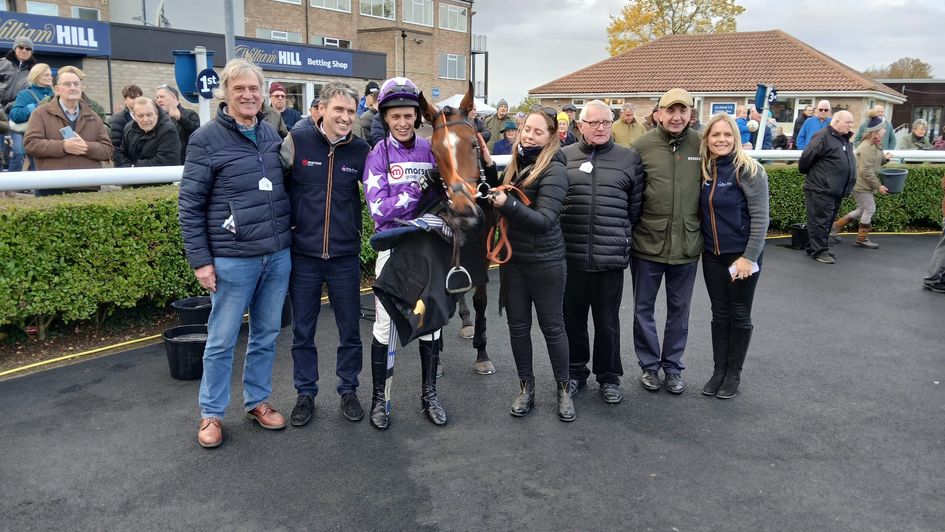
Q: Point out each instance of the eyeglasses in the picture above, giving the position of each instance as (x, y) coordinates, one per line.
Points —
(70, 83)
(825, 110)
(598, 123)
(28, 49)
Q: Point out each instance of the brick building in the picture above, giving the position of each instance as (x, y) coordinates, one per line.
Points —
(722, 71)
(327, 40)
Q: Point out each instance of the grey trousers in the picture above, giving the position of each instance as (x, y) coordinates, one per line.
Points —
(936, 273)
(865, 207)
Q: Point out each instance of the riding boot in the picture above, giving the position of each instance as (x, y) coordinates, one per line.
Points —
(863, 237)
(741, 337)
(721, 335)
(379, 417)
(837, 227)
(428, 398)
(484, 365)
(522, 404)
(565, 404)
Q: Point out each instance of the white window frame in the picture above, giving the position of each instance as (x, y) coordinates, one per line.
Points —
(296, 2)
(332, 42)
(278, 35)
(75, 12)
(41, 6)
(412, 5)
(455, 59)
(370, 5)
(337, 2)
(451, 10)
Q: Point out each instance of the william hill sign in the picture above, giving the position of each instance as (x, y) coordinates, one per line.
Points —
(56, 34)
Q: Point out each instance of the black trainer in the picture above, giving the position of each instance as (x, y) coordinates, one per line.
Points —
(610, 393)
(303, 412)
(351, 407)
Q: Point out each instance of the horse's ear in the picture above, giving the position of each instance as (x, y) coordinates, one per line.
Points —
(427, 111)
(467, 104)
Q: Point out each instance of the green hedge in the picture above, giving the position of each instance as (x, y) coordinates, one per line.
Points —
(80, 256)
(918, 206)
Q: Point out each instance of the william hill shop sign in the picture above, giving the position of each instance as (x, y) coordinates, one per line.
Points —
(294, 58)
(56, 34)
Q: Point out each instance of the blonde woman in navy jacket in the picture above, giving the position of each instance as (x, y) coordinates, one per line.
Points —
(734, 208)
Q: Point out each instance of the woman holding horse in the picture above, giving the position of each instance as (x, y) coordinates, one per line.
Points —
(392, 191)
(535, 273)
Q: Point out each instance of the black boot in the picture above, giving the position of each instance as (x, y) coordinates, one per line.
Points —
(741, 337)
(720, 344)
(439, 349)
(522, 404)
(379, 417)
(429, 357)
(565, 404)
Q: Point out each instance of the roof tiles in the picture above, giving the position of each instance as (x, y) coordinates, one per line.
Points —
(724, 62)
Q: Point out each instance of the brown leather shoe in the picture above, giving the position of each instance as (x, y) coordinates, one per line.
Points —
(267, 416)
(210, 434)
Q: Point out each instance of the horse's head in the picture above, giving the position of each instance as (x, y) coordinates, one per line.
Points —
(456, 148)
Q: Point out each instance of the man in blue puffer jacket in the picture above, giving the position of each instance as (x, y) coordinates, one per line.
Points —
(234, 216)
(326, 163)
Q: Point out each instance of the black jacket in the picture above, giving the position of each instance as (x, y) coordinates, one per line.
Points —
(116, 127)
(158, 147)
(188, 123)
(535, 230)
(13, 76)
(221, 178)
(829, 163)
(323, 187)
(602, 206)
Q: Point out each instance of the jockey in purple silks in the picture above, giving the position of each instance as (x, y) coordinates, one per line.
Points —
(392, 176)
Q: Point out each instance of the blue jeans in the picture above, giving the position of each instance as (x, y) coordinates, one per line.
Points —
(16, 158)
(343, 277)
(258, 283)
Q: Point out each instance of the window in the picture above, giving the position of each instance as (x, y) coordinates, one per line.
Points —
(453, 17)
(86, 13)
(330, 41)
(276, 35)
(932, 115)
(42, 8)
(379, 8)
(296, 2)
(452, 66)
(337, 5)
(419, 12)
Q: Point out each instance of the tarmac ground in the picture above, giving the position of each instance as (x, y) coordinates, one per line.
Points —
(839, 425)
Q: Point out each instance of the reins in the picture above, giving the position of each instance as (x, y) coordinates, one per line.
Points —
(498, 239)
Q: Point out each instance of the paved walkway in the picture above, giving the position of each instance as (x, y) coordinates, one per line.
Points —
(838, 426)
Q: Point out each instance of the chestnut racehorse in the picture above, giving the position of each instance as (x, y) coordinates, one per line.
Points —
(456, 146)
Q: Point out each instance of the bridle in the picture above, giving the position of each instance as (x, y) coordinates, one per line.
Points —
(473, 188)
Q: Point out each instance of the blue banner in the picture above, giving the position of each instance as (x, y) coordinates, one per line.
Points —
(287, 57)
(56, 34)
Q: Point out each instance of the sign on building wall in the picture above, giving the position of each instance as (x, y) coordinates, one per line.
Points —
(56, 34)
(286, 57)
(728, 107)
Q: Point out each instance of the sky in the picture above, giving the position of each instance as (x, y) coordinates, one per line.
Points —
(533, 42)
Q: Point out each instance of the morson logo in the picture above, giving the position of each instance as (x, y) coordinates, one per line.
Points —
(346, 168)
(50, 34)
(306, 162)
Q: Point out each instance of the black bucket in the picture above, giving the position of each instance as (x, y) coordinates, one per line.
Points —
(192, 310)
(184, 345)
(799, 236)
(894, 179)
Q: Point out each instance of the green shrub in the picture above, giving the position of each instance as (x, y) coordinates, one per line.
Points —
(919, 205)
(81, 256)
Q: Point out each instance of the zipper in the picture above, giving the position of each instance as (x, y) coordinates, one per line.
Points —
(715, 232)
(590, 226)
(331, 169)
(272, 209)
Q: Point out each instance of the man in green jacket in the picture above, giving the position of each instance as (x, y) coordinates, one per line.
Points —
(667, 241)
